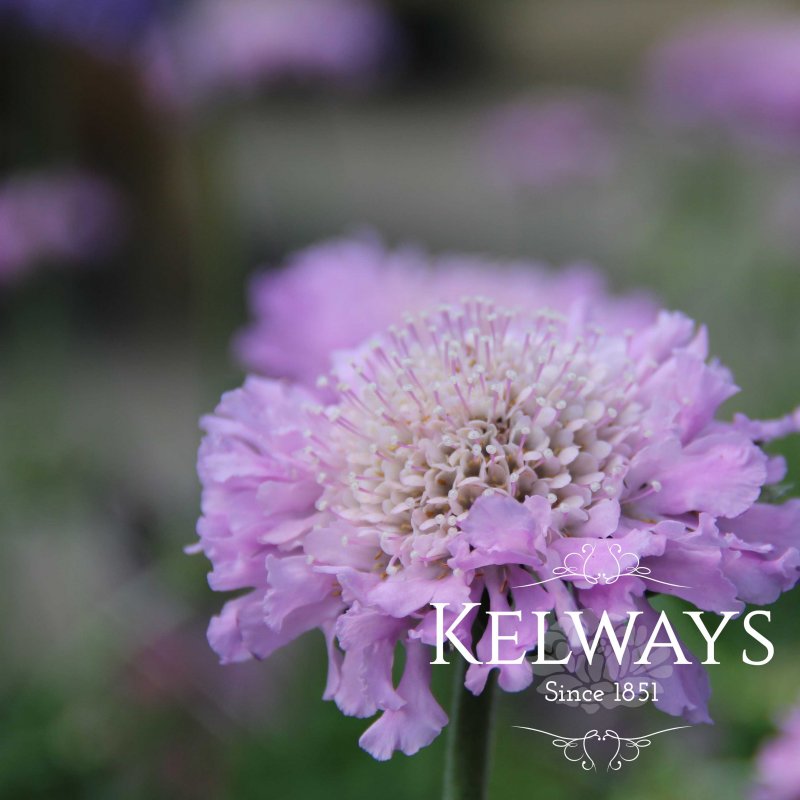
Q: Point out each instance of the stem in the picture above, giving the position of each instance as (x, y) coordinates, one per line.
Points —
(469, 741)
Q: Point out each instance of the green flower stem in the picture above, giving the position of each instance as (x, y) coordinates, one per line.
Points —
(469, 743)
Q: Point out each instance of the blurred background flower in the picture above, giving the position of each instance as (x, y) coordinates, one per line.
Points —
(543, 143)
(106, 28)
(742, 74)
(59, 217)
(778, 768)
(222, 46)
(322, 284)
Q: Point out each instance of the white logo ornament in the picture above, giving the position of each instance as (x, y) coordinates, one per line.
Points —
(578, 565)
(576, 748)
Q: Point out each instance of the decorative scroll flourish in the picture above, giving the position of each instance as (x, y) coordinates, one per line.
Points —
(576, 748)
(578, 565)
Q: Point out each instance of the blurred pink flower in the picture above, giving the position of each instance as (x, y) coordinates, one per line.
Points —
(105, 27)
(738, 73)
(463, 450)
(778, 763)
(553, 140)
(333, 295)
(220, 45)
(63, 217)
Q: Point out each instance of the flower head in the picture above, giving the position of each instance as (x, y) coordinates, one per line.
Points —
(462, 454)
(219, 45)
(305, 311)
(777, 764)
(551, 141)
(740, 74)
(476, 400)
(61, 216)
(107, 29)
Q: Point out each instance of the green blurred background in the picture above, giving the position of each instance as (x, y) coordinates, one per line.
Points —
(107, 686)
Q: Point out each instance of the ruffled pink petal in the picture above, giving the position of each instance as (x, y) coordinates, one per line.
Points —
(415, 587)
(720, 473)
(761, 579)
(224, 634)
(293, 584)
(693, 389)
(683, 689)
(512, 677)
(418, 722)
(501, 530)
(670, 331)
(426, 629)
(365, 683)
(240, 631)
(616, 599)
(776, 525)
(695, 574)
(769, 429)
(337, 544)
(603, 520)
(368, 637)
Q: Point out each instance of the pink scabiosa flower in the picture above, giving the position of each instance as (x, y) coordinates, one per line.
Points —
(220, 45)
(778, 763)
(107, 29)
(739, 74)
(324, 284)
(552, 141)
(458, 456)
(64, 216)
